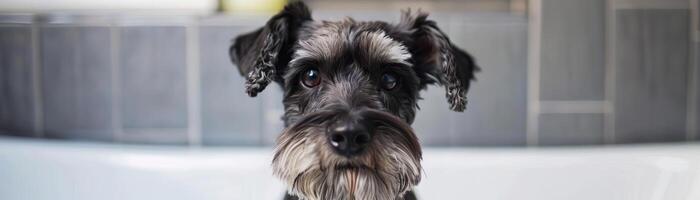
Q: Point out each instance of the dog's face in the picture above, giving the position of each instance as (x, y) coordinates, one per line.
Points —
(350, 95)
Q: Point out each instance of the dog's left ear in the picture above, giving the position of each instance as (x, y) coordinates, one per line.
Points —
(262, 55)
(436, 59)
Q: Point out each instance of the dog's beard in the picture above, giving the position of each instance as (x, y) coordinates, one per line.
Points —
(386, 171)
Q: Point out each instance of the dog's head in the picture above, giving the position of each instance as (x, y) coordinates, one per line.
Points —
(350, 93)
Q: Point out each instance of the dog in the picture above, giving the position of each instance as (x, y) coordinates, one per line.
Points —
(350, 96)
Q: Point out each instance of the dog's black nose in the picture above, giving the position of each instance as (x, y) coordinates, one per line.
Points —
(348, 138)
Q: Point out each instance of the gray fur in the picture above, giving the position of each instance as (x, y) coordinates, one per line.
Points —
(351, 58)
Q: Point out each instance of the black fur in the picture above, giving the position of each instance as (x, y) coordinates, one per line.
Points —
(351, 58)
(263, 54)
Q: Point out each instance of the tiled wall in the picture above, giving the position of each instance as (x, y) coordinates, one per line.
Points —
(76, 82)
(651, 82)
(574, 72)
(612, 71)
(566, 103)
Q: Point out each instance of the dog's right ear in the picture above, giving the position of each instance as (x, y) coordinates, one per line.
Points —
(262, 55)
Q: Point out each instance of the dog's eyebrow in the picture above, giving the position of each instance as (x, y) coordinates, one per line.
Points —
(300, 57)
(333, 45)
(380, 47)
(320, 47)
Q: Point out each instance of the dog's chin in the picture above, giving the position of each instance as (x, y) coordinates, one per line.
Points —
(345, 183)
(315, 174)
(320, 174)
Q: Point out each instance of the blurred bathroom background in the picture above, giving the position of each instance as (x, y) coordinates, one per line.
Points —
(554, 72)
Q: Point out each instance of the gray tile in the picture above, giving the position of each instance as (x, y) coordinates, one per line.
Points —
(571, 129)
(496, 114)
(357, 15)
(153, 84)
(572, 52)
(651, 70)
(229, 116)
(442, 19)
(76, 82)
(272, 112)
(430, 124)
(16, 82)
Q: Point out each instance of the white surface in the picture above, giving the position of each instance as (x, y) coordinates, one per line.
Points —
(56, 170)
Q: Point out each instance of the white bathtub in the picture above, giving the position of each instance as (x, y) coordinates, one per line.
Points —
(58, 170)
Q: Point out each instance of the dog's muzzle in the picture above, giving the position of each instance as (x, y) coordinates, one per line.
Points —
(343, 153)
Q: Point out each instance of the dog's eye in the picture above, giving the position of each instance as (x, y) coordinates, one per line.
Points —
(310, 78)
(389, 81)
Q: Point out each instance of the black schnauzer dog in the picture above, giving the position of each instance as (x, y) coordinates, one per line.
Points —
(350, 93)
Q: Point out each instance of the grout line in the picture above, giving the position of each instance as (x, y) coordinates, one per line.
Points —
(115, 39)
(609, 124)
(38, 99)
(692, 101)
(534, 41)
(194, 118)
(572, 106)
